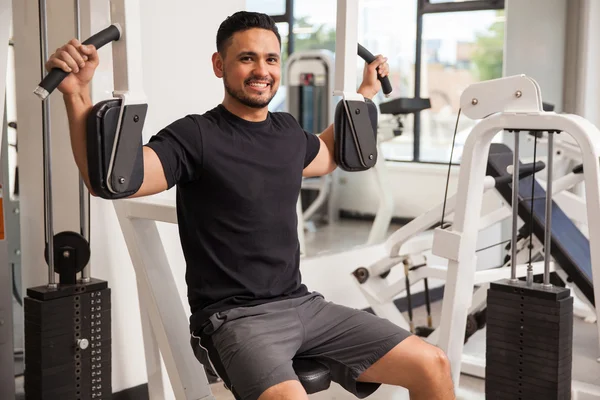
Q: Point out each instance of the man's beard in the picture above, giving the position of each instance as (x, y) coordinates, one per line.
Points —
(254, 101)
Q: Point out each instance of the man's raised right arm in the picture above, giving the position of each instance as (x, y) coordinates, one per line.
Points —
(81, 61)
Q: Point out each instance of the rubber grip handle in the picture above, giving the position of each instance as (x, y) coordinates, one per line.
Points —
(56, 75)
(366, 55)
(524, 170)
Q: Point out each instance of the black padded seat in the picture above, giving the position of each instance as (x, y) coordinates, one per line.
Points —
(313, 375)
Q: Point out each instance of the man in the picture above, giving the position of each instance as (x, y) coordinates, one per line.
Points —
(238, 171)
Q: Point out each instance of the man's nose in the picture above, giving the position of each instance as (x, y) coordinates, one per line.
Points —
(261, 69)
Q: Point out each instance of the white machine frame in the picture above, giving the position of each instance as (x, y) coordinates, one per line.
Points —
(164, 319)
(520, 108)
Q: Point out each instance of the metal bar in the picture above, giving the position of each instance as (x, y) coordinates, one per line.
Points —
(288, 18)
(289, 11)
(418, 62)
(346, 47)
(84, 195)
(47, 156)
(472, 5)
(515, 209)
(548, 219)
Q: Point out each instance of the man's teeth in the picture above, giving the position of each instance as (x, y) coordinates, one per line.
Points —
(256, 84)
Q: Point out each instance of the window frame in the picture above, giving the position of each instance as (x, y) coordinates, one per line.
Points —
(287, 17)
(423, 7)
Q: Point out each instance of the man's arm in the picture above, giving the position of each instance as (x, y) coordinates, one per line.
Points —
(324, 161)
(81, 62)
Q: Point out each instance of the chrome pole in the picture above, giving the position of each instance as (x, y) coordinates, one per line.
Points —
(47, 156)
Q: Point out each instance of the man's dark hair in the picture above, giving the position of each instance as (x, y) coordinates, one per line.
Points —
(241, 21)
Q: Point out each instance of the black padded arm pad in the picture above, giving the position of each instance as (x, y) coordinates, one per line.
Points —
(101, 134)
(355, 135)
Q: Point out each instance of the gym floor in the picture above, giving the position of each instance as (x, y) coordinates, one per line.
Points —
(349, 233)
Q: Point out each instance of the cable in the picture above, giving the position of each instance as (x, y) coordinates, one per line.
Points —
(493, 245)
(449, 169)
(15, 288)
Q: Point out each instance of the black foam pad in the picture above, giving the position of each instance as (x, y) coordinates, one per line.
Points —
(102, 124)
(355, 135)
(313, 375)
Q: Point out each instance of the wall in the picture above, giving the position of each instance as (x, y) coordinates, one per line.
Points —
(535, 44)
(178, 40)
(582, 83)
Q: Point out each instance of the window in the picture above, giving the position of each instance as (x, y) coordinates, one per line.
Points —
(389, 28)
(458, 43)
(435, 48)
(458, 49)
(271, 7)
(314, 24)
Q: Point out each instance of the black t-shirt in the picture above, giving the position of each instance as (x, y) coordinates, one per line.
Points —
(237, 187)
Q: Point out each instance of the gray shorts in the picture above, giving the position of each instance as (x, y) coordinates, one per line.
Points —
(251, 348)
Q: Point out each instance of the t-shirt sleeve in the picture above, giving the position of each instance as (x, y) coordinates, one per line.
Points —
(313, 144)
(179, 148)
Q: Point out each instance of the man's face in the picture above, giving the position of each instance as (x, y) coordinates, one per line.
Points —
(251, 69)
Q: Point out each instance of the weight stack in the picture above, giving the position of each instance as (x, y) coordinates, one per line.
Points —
(529, 342)
(68, 342)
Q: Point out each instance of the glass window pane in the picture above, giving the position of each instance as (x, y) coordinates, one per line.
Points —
(278, 101)
(459, 49)
(271, 7)
(314, 24)
(388, 27)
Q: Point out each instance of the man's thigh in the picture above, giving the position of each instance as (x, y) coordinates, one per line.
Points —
(348, 340)
(252, 348)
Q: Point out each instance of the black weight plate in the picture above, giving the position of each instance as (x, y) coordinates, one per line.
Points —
(535, 291)
(549, 373)
(527, 314)
(523, 390)
(45, 307)
(533, 304)
(541, 328)
(40, 359)
(67, 376)
(64, 325)
(72, 242)
(530, 377)
(83, 393)
(545, 302)
(558, 348)
(506, 357)
(526, 351)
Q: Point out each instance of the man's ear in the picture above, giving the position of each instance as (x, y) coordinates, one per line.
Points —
(217, 62)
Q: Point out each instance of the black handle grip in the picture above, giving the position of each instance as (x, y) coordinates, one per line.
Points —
(56, 75)
(366, 55)
(524, 170)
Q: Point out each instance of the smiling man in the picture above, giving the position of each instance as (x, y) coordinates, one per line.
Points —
(238, 170)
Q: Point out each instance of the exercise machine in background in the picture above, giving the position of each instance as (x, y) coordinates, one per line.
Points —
(568, 253)
(68, 350)
(309, 85)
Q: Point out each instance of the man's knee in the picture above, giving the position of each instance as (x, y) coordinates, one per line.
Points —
(288, 390)
(434, 364)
